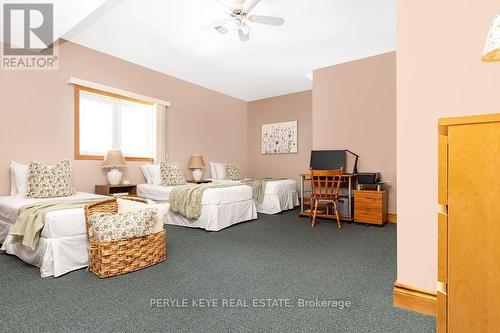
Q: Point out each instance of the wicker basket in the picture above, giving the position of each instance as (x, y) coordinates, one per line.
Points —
(116, 257)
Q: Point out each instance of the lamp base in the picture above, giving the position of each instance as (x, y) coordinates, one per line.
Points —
(114, 177)
(197, 174)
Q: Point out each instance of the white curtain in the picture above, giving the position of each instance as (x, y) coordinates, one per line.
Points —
(161, 133)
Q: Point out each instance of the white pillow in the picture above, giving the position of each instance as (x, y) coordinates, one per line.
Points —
(145, 172)
(21, 178)
(13, 186)
(220, 170)
(155, 173)
(212, 170)
(125, 206)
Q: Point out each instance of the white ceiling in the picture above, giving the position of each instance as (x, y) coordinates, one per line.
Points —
(67, 13)
(165, 35)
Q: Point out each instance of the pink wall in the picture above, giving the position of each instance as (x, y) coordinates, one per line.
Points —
(36, 115)
(354, 107)
(296, 106)
(439, 75)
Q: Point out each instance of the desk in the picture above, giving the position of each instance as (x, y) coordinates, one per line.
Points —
(346, 178)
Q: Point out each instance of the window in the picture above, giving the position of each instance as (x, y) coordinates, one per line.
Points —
(105, 121)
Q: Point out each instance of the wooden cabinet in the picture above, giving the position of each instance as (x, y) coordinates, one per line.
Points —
(468, 225)
(370, 207)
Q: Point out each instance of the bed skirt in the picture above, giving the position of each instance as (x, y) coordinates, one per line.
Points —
(4, 230)
(217, 217)
(54, 256)
(276, 203)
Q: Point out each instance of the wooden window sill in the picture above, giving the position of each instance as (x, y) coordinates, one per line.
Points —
(101, 158)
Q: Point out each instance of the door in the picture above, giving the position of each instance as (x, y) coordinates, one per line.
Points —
(474, 228)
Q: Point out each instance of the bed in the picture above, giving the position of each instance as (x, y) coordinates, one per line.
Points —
(221, 207)
(63, 242)
(279, 195)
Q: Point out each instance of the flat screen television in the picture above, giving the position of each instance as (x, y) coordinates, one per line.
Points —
(328, 159)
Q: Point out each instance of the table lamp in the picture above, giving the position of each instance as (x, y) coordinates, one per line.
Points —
(196, 163)
(114, 160)
(492, 48)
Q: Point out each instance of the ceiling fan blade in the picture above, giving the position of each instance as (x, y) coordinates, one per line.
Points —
(244, 37)
(249, 5)
(271, 20)
(215, 25)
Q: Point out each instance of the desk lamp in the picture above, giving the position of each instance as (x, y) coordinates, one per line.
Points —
(355, 168)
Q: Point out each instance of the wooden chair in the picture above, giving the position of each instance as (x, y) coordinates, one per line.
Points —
(325, 185)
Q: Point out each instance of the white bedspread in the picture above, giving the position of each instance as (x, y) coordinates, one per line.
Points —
(221, 207)
(280, 195)
(211, 196)
(63, 243)
(58, 224)
(217, 217)
(282, 186)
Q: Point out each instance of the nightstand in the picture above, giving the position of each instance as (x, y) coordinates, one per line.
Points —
(111, 190)
(203, 181)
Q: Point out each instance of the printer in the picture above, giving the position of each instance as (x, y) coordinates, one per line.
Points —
(369, 180)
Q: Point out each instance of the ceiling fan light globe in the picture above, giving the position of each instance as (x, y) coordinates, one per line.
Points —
(244, 37)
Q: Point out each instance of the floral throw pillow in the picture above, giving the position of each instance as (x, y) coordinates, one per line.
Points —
(49, 182)
(125, 206)
(107, 227)
(233, 171)
(171, 175)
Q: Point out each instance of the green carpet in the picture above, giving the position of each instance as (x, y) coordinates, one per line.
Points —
(274, 257)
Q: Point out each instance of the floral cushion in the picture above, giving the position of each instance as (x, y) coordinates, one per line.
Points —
(49, 182)
(233, 171)
(171, 175)
(125, 206)
(107, 227)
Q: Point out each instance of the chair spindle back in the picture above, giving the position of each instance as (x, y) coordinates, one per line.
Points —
(325, 184)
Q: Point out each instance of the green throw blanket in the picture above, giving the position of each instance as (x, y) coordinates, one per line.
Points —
(31, 220)
(186, 200)
(259, 187)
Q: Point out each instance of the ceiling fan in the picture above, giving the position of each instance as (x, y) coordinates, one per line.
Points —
(241, 19)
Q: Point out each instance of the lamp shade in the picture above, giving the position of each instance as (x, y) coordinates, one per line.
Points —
(492, 48)
(114, 159)
(196, 162)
